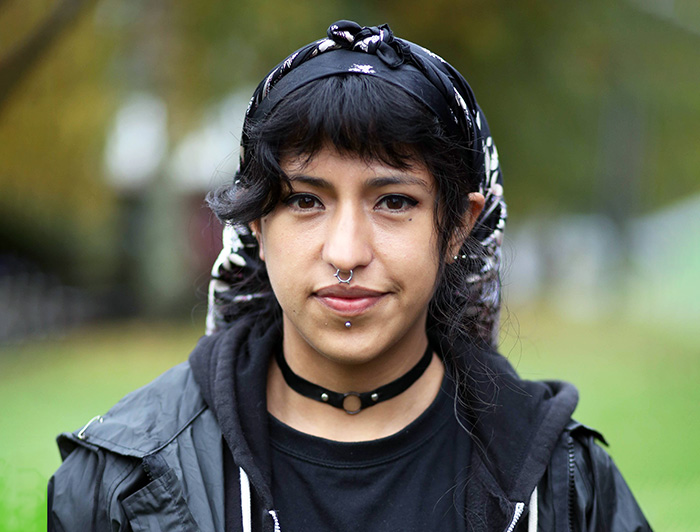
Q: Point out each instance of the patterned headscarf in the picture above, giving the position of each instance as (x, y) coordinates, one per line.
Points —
(374, 51)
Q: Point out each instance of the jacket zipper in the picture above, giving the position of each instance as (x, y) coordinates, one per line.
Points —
(519, 509)
(572, 487)
(274, 517)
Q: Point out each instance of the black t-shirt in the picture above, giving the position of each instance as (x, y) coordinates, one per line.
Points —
(411, 481)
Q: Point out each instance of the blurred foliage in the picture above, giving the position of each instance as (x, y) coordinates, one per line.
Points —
(545, 72)
(54, 203)
(594, 104)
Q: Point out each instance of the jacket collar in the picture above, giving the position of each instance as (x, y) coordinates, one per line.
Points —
(516, 423)
(145, 420)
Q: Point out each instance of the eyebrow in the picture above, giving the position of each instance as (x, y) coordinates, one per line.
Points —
(375, 182)
(317, 182)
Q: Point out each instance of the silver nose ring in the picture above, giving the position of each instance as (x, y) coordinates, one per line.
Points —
(340, 279)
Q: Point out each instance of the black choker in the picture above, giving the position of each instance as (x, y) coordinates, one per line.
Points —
(366, 399)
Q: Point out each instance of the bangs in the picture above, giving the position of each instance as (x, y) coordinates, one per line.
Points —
(355, 114)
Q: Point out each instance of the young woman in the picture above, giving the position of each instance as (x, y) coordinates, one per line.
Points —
(349, 379)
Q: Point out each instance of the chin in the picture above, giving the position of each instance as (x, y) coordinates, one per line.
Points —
(348, 348)
(357, 345)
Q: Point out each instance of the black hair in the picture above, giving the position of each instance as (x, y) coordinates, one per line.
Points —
(371, 118)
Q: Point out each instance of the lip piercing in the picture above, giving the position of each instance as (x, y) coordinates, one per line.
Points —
(348, 324)
(340, 279)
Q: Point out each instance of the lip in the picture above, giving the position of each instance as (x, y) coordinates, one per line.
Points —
(348, 301)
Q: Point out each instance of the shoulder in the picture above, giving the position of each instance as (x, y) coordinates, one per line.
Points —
(145, 419)
(584, 490)
(107, 460)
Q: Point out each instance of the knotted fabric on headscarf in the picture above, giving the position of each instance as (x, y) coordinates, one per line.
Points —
(374, 51)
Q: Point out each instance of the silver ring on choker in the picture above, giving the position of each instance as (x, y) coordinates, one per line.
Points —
(340, 279)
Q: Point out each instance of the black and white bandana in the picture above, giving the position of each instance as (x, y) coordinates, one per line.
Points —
(374, 51)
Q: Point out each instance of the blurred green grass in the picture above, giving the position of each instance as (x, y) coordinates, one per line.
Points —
(58, 385)
(638, 385)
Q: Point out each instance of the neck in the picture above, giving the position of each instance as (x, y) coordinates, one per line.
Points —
(381, 420)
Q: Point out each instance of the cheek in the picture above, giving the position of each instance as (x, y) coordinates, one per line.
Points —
(283, 279)
(281, 244)
(284, 253)
(412, 254)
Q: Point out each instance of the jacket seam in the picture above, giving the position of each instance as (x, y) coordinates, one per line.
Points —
(113, 446)
(183, 512)
(178, 432)
(112, 488)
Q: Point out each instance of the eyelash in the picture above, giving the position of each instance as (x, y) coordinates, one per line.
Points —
(407, 202)
(293, 201)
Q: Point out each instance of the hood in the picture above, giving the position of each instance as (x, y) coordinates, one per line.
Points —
(515, 425)
(230, 368)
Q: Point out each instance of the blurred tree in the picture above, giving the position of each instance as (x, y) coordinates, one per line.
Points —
(52, 209)
(594, 104)
(18, 61)
(547, 75)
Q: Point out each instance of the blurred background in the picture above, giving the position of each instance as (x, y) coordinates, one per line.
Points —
(117, 116)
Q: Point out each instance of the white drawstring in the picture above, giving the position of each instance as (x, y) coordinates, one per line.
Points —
(532, 515)
(246, 502)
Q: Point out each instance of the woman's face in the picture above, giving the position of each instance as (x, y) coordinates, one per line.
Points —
(344, 213)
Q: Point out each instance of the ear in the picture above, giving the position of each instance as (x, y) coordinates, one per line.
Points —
(256, 228)
(476, 205)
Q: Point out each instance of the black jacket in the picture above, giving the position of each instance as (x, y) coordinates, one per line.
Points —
(155, 461)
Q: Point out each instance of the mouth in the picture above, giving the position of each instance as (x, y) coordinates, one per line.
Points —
(348, 301)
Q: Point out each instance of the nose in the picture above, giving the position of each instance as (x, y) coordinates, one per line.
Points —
(348, 240)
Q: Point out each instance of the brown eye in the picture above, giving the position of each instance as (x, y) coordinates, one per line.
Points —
(303, 202)
(397, 203)
(306, 202)
(394, 203)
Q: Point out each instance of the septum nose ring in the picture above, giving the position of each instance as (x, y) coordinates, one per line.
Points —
(340, 279)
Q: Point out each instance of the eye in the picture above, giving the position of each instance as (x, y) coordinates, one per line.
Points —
(303, 202)
(396, 202)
